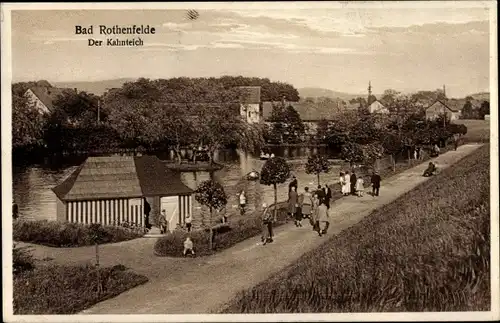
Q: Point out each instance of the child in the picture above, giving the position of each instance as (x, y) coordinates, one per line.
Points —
(188, 222)
(267, 225)
(163, 222)
(360, 186)
(188, 247)
(243, 202)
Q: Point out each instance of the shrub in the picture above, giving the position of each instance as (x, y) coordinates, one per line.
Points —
(59, 234)
(22, 260)
(69, 289)
(224, 237)
(427, 251)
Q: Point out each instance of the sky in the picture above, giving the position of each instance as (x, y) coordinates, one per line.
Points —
(340, 48)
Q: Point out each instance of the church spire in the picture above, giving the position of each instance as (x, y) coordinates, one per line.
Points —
(369, 89)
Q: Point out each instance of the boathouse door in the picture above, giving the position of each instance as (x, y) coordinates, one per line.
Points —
(171, 206)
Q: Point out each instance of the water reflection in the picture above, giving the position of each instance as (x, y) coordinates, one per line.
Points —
(32, 184)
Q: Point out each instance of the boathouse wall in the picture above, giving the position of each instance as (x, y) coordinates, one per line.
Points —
(105, 212)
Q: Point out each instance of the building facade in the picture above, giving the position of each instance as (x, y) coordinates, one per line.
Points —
(440, 108)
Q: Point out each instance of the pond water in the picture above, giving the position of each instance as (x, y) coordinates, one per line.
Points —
(32, 184)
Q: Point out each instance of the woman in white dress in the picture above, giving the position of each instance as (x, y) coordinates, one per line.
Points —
(347, 183)
(341, 182)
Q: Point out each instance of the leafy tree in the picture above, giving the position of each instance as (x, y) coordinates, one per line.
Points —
(27, 124)
(211, 194)
(484, 109)
(322, 131)
(467, 111)
(287, 123)
(392, 145)
(317, 164)
(389, 96)
(275, 171)
(355, 153)
(176, 128)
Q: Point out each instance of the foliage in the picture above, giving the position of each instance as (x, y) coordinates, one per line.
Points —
(22, 260)
(427, 251)
(211, 194)
(27, 124)
(355, 153)
(51, 289)
(275, 171)
(171, 245)
(484, 109)
(58, 234)
(317, 164)
(287, 124)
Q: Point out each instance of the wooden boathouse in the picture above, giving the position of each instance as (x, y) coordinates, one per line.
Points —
(113, 190)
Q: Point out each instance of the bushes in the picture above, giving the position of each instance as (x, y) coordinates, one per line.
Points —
(427, 251)
(22, 260)
(173, 243)
(58, 234)
(69, 289)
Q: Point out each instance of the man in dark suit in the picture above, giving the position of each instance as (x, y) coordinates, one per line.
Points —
(375, 183)
(328, 196)
(353, 183)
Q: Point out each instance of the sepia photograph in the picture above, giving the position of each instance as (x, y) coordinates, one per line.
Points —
(250, 161)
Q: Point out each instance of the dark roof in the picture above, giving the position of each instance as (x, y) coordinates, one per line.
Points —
(449, 105)
(156, 179)
(47, 94)
(250, 94)
(120, 177)
(308, 111)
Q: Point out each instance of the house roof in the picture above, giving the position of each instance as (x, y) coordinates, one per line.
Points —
(47, 95)
(450, 105)
(120, 177)
(250, 94)
(308, 111)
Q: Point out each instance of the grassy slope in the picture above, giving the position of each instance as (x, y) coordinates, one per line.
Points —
(426, 251)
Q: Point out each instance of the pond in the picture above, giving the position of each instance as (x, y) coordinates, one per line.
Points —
(32, 184)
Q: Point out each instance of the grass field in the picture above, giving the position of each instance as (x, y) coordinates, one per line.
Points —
(477, 130)
(427, 251)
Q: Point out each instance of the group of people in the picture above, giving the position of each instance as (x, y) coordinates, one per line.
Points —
(350, 184)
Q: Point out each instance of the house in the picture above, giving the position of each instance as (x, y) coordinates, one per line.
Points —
(250, 105)
(438, 108)
(378, 107)
(43, 97)
(112, 190)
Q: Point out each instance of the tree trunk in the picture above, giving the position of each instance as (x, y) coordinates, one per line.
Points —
(178, 154)
(393, 159)
(275, 211)
(99, 285)
(318, 178)
(211, 231)
(409, 156)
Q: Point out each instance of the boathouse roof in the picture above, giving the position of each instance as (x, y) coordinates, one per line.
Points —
(120, 177)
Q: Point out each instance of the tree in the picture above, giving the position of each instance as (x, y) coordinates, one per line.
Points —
(27, 124)
(275, 171)
(389, 96)
(176, 128)
(355, 153)
(211, 194)
(322, 130)
(392, 145)
(467, 111)
(287, 123)
(484, 109)
(98, 236)
(317, 164)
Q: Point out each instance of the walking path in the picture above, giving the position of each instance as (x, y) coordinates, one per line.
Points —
(202, 285)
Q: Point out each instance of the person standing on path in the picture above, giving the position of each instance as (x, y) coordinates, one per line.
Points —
(243, 202)
(328, 196)
(314, 214)
(188, 221)
(420, 153)
(323, 220)
(267, 225)
(353, 183)
(347, 183)
(292, 204)
(342, 183)
(293, 183)
(375, 183)
(360, 186)
(320, 192)
(306, 203)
